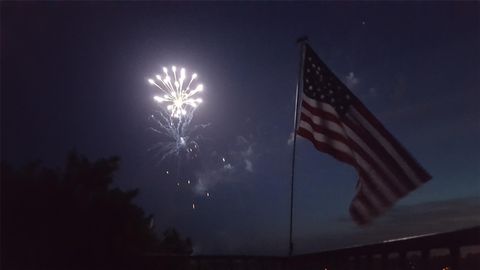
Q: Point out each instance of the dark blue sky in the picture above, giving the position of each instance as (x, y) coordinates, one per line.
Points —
(74, 75)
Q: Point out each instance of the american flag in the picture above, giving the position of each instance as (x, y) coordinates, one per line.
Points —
(337, 123)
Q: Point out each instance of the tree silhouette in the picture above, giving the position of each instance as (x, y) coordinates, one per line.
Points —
(173, 243)
(74, 219)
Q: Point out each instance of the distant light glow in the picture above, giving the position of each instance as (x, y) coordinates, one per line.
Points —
(182, 141)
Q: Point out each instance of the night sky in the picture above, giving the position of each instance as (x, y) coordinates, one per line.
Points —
(74, 76)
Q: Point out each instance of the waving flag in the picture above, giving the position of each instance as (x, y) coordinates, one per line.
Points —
(337, 123)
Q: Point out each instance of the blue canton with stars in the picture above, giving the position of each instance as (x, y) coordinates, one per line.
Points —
(321, 84)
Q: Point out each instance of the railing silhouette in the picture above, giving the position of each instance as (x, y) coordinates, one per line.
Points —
(407, 253)
(379, 256)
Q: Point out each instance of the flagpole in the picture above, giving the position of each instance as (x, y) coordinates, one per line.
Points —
(301, 42)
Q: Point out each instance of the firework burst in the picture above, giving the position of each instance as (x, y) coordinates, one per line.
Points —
(177, 94)
(178, 99)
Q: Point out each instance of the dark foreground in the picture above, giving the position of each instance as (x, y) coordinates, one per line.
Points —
(451, 250)
(74, 218)
(457, 250)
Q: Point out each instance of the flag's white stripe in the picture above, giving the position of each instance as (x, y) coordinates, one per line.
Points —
(349, 133)
(320, 105)
(325, 123)
(385, 168)
(362, 209)
(325, 139)
(388, 147)
(390, 196)
(372, 198)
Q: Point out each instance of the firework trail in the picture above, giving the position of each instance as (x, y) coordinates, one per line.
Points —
(178, 100)
(177, 94)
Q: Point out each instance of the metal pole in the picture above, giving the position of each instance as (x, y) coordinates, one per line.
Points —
(301, 41)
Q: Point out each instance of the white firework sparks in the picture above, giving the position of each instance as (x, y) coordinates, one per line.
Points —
(178, 101)
(178, 136)
(179, 96)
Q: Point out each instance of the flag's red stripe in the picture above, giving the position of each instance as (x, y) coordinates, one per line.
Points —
(368, 182)
(356, 148)
(374, 210)
(362, 133)
(323, 147)
(361, 172)
(357, 216)
(344, 157)
(375, 145)
(321, 113)
(324, 130)
(409, 166)
(424, 176)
